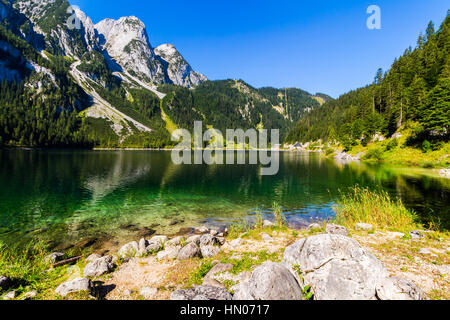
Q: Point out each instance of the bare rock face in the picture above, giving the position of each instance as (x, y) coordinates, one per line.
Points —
(201, 293)
(271, 281)
(77, 285)
(127, 42)
(99, 267)
(178, 70)
(336, 267)
(190, 251)
(398, 289)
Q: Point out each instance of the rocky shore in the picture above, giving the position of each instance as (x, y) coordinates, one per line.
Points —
(325, 262)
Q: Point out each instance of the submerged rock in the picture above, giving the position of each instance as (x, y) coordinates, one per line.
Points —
(336, 267)
(77, 285)
(271, 281)
(201, 293)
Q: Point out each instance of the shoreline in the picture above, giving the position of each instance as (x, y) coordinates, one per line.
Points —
(420, 257)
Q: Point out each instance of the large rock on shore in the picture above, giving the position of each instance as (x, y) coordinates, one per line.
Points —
(201, 293)
(336, 267)
(190, 251)
(336, 229)
(129, 250)
(77, 285)
(209, 251)
(99, 267)
(271, 281)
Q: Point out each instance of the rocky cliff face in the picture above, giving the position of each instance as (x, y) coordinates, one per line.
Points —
(178, 69)
(127, 42)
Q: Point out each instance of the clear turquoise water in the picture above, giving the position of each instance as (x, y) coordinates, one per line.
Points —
(109, 197)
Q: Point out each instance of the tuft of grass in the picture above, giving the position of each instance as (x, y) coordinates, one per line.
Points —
(375, 208)
(280, 219)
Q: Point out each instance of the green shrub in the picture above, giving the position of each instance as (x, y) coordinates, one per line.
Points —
(392, 144)
(426, 146)
(375, 154)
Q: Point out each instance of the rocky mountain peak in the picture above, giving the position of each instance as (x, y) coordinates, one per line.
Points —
(178, 69)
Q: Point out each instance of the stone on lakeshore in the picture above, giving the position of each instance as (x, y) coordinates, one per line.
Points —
(29, 295)
(9, 296)
(207, 240)
(267, 224)
(425, 251)
(266, 237)
(336, 267)
(201, 293)
(398, 289)
(93, 257)
(212, 283)
(336, 229)
(364, 227)
(129, 250)
(195, 239)
(214, 233)
(175, 241)
(221, 240)
(416, 235)
(201, 230)
(77, 285)
(154, 247)
(219, 268)
(99, 267)
(271, 281)
(148, 293)
(237, 242)
(190, 251)
(54, 257)
(314, 227)
(209, 251)
(169, 253)
(142, 247)
(5, 282)
(159, 239)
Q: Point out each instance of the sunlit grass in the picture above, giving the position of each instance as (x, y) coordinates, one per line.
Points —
(362, 205)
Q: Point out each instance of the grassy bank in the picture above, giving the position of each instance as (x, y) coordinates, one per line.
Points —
(361, 205)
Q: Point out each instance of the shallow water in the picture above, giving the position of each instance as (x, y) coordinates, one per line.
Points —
(104, 198)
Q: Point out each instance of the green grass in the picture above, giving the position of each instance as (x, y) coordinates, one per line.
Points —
(362, 205)
(29, 270)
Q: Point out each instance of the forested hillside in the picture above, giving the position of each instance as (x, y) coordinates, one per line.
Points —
(232, 104)
(413, 94)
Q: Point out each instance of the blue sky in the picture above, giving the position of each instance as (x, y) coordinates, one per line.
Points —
(319, 46)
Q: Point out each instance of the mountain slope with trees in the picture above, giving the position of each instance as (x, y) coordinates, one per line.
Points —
(413, 95)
